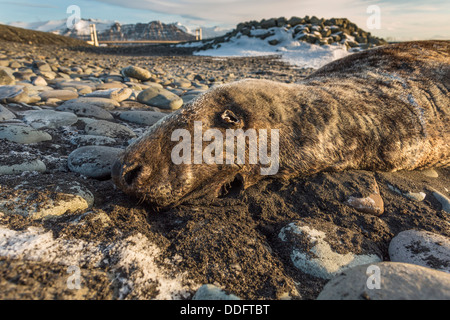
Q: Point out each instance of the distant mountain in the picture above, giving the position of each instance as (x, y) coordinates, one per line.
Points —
(114, 30)
(207, 32)
(111, 30)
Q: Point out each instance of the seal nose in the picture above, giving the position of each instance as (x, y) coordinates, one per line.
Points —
(129, 173)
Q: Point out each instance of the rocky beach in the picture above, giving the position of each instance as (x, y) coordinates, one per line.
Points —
(67, 110)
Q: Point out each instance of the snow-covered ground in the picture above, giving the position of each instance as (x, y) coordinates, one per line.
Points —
(291, 50)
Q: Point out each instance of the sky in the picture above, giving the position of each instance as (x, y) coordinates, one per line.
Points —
(398, 19)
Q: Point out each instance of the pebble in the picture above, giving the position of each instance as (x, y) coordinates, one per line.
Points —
(160, 98)
(20, 163)
(212, 292)
(39, 81)
(137, 73)
(311, 251)
(443, 200)
(93, 161)
(23, 134)
(396, 281)
(114, 94)
(7, 92)
(416, 196)
(45, 200)
(142, 117)
(422, 248)
(5, 114)
(59, 94)
(109, 129)
(92, 140)
(40, 119)
(104, 103)
(430, 173)
(6, 78)
(373, 204)
(85, 110)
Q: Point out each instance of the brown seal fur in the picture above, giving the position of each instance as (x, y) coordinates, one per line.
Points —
(384, 109)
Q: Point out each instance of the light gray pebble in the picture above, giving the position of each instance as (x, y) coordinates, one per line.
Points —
(23, 134)
(142, 117)
(423, 248)
(5, 114)
(20, 163)
(86, 110)
(212, 292)
(92, 140)
(49, 119)
(311, 249)
(388, 281)
(93, 161)
(160, 98)
(109, 129)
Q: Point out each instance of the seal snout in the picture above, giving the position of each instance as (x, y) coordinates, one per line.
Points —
(126, 173)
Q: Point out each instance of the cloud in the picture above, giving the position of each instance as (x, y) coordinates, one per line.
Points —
(235, 11)
(28, 4)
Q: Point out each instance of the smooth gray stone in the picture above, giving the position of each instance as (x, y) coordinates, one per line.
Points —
(93, 161)
(49, 119)
(142, 117)
(422, 248)
(211, 292)
(109, 129)
(23, 134)
(5, 114)
(395, 280)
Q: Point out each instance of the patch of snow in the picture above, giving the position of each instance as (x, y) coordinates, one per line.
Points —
(294, 52)
(133, 260)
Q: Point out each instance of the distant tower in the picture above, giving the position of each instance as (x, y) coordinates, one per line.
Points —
(198, 34)
(93, 31)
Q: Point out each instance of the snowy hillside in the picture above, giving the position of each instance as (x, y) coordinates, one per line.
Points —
(304, 42)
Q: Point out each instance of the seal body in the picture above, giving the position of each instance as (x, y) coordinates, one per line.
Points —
(384, 109)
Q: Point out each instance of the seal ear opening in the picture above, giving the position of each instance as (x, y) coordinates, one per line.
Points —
(228, 117)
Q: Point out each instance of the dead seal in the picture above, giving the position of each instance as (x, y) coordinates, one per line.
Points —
(384, 109)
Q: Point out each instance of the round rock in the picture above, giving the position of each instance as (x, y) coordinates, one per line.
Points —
(39, 198)
(109, 129)
(92, 140)
(86, 110)
(93, 161)
(211, 292)
(160, 98)
(113, 93)
(137, 73)
(5, 114)
(142, 117)
(59, 94)
(23, 134)
(388, 281)
(323, 250)
(18, 163)
(423, 248)
(49, 119)
(7, 92)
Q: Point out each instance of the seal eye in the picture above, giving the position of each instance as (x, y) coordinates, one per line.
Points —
(230, 118)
